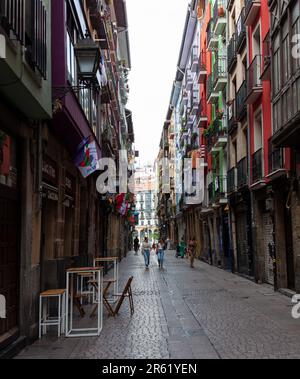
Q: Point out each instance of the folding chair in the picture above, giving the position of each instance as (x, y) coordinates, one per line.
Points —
(126, 293)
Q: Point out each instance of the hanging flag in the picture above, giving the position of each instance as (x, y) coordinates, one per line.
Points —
(86, 158)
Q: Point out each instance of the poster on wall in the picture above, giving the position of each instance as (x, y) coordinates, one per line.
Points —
(86, 158)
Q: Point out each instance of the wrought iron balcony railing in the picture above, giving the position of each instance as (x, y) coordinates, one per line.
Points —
(242, 173)
(220, 187)
(241, 105)
(220, 72)
(231, 53)
(257, 166)
(232, 180)
(12, 18)
(254, 83)
(232, 117)
(209, 86)
(241, 31)
(27, 21)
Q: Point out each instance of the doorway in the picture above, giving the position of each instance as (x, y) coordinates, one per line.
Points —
(9, 240)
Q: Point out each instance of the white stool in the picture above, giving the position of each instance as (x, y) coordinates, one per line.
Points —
(45, 319)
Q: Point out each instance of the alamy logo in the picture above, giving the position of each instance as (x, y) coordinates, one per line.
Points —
(296, 307)
(2, 307)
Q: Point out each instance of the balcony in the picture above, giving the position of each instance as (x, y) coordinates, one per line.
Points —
(220, 187)
(257, 166)
(266, 75)
(212, 95)
(232, 180)
(219, 17)
(276, 161)
(220, 132)
(242, 173)
(241, 105)
(189, 81)
(231, 53)
(252, 10)
(195, 103)
(254, 83)
(212, 39)
(195, 59)
(241, 32)
(203, 119)
(185, 98)
(210, 139)
(211, 193)
(12, 18)
(232, 119)
(202, 69)
(220, 73)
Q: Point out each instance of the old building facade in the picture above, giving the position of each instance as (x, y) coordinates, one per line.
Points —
(242, 55)
(51, 123)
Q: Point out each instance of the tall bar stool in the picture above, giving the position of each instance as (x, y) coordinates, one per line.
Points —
(45, 319)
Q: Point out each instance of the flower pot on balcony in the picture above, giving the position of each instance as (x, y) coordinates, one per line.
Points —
(221, 12)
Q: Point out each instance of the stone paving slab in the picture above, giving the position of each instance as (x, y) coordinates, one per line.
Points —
(205, 313)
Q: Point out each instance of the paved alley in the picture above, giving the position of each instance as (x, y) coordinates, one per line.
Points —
(183, 313)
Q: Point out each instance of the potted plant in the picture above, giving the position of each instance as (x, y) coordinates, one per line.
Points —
(221, 12)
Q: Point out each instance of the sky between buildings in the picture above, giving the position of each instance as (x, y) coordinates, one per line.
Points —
(155, 28)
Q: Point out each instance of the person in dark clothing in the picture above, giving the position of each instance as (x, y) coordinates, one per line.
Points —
(136, 244)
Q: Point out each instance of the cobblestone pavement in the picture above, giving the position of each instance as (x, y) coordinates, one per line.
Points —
(184, 313)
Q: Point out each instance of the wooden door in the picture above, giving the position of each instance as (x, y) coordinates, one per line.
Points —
(9, 260)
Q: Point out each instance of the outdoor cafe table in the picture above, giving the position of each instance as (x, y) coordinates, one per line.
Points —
(97, 273)
(115, 262)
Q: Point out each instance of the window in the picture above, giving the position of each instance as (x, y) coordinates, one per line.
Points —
(295, 32)
(258, 136)
(285, 53)
(276, 116)
(72, 38)
(276, 66)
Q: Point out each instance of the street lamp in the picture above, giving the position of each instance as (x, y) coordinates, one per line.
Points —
(88, 56)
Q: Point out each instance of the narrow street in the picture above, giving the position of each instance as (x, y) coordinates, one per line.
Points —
(181, 313)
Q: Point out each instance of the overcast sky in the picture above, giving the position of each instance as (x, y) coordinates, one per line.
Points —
(155, 28)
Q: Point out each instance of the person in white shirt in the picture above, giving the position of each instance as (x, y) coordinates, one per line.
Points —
(146, 250)
(160, 251)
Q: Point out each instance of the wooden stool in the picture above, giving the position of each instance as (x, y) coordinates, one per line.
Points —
(45, 319)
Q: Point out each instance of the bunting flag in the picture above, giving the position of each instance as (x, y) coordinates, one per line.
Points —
(86, 158)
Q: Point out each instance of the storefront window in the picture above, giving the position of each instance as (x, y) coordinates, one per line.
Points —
(8, 160)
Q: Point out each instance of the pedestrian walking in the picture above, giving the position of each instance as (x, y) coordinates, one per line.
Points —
(182, 248)
(146, 250)
(136, 244)
(192, 251)
(160, 251)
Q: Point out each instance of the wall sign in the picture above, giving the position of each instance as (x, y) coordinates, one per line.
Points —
(50, 171)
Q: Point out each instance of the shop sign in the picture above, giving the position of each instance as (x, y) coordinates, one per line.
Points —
(70, 184)
(50, 172)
